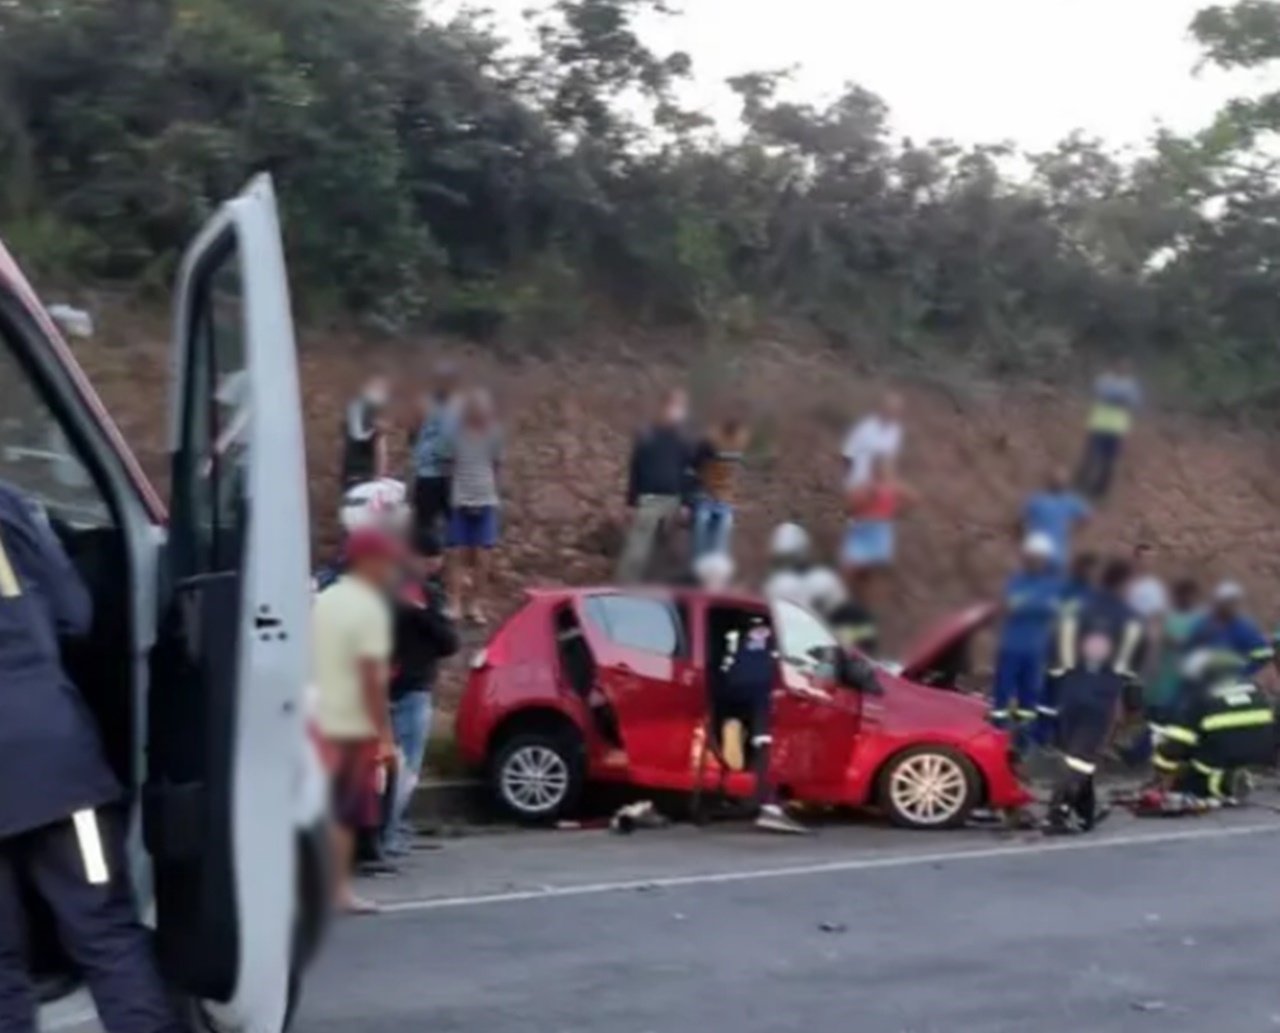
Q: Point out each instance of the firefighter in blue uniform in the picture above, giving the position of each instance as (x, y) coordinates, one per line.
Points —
(1088, 698)
(1225, 628)
(1031, 603)
(744, 694)
(60, 831)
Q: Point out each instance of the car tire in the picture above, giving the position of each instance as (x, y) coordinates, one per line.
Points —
(929, 788)
(538, 776)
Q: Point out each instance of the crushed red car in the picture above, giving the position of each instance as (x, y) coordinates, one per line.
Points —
(610, 685)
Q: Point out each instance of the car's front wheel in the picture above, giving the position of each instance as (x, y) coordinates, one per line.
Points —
(929, 787)
(538, 775)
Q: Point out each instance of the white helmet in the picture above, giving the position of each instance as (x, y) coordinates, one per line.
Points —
(823, 589)
(789, 539)
(1040, 545)
(785, 584)
(714, 571)
(380, 504)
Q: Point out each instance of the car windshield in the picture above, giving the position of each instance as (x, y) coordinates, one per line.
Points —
(807, 644)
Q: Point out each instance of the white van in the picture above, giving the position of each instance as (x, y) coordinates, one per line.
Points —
(196, 664)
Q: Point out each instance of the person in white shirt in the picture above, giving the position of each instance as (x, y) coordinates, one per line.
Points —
(1146, 593)
(877, 436)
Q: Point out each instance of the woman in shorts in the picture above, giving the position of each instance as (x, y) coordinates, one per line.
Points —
(870, 543)
(476, 456)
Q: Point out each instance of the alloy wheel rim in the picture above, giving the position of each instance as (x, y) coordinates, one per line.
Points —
(535, 779)
(929, 788)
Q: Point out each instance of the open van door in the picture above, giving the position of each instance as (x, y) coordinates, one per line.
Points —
(225, 728)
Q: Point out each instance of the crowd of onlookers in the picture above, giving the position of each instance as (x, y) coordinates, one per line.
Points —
(415, 561)
(412, 564)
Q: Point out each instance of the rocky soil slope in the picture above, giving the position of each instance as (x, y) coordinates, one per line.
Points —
(1207, 496)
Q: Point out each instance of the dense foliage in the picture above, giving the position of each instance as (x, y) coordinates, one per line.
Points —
(429, 172)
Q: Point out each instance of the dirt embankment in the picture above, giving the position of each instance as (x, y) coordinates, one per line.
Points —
(1205, 495)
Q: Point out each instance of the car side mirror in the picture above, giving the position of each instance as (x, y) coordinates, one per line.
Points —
(859, 674)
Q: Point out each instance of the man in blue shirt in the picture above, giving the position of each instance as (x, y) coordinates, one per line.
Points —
(1056, 512)
(1226, 629)
(1031, 600)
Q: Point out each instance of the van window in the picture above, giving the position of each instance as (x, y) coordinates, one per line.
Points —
(35, 455)
(634, 622)
(211, 475)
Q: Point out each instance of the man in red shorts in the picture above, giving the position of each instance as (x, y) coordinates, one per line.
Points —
(352, 651)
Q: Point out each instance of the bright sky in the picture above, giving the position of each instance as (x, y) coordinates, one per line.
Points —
(975, 70)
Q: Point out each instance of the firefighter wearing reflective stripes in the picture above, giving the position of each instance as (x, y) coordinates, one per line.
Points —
(1104, 613)
(1089, 695)
(746, 686)
(59, 833)
(1225, 725)
(1032, 598)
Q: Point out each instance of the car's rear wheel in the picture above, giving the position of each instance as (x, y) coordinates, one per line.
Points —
(929, 787)
(538, 775)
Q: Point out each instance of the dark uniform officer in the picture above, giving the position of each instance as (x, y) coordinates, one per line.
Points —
(58, 829)
(1103, 612)
(1225, 725)
(1087, 697)
(744, 693)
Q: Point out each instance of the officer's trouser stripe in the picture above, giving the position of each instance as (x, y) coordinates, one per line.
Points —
(90, 842)
(9, 588)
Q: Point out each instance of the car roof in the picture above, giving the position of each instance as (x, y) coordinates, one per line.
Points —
(13, 282)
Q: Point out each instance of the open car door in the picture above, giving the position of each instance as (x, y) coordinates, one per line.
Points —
(225, 730)
(815, 718)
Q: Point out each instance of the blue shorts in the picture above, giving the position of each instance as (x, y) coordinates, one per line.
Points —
(473, 527)
(869, 543)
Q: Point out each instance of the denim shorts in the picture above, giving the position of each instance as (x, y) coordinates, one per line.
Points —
(869, 543)
(473, 527)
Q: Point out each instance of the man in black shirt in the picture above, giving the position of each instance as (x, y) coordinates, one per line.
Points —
(658, 487)
(364, 434)
(423, 637)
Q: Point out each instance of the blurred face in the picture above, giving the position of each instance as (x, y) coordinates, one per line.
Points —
(1143, 558)
(892, 406)
(1096, 649)
(479, 411)
(676, 409)
(1057, 479)
(379, 571)
(377, 390)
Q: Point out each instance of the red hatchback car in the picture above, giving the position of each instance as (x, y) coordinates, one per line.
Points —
(611, 685)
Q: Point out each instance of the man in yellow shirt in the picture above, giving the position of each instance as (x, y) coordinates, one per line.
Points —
(352, 652)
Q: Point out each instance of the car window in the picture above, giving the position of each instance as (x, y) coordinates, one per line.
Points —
(804, 641)
(648, 625)
(35, 455)
(211, 480)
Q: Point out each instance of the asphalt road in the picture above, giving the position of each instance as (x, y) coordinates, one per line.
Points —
(1148, 925)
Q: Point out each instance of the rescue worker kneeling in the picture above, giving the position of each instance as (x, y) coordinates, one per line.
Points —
(1224, 726)
(743, 696)
(1088, 697)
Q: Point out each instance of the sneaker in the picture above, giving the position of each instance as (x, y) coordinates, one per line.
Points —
(356, 905)
(773, 818)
